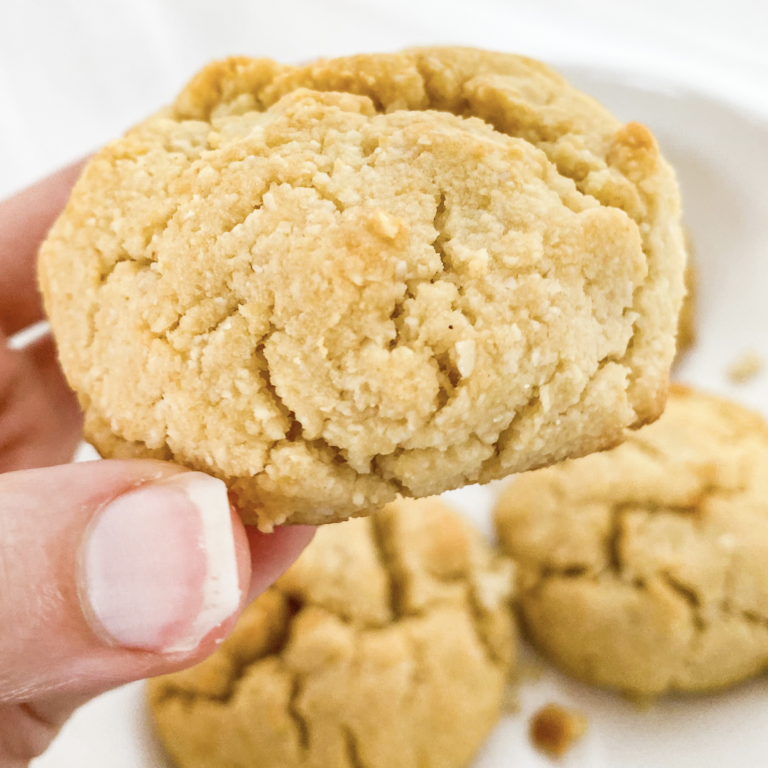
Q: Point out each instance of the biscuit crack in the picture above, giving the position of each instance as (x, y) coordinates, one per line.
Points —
(478, 624)
(438, 222)
(295, 430)
(613, 542)
(754, 618)
(352, 748)
(399, 584)
(387, 562)
(691, 599)
(390, 478)
(301, 722)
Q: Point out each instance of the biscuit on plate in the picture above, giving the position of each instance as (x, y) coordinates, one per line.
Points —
(646, 568)
(388, 643)
(385, 274)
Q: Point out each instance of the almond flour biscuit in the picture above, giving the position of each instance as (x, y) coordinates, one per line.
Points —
(388, 644)
(386, 274)
(646, 568)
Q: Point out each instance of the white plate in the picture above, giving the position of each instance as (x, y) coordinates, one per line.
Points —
(721, 154)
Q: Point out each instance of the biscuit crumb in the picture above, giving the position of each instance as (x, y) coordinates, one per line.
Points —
(746, 366)
(386, 226)
(466, 353)
(555, 728)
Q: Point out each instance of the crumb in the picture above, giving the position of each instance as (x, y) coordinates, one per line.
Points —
(554, 728)
(746, 366)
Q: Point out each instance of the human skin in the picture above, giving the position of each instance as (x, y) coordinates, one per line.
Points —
(103, 579)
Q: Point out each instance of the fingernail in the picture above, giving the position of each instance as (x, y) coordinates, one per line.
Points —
(158, 565)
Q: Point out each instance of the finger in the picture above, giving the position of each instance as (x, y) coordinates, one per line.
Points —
(25, 220)
(43, 358)
(24, 735)
(40, 421)
(113, 571)
(272, 552)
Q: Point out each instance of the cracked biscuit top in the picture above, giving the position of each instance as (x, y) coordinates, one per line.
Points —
(646, 568)
(382, 274)
(388, 644)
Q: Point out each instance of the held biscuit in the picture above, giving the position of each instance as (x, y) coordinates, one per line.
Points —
(388, 643)
(646, 568)
(386, 274)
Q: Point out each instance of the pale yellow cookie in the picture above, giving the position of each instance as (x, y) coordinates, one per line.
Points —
(387, 644)
(646, 568)
(383, 274)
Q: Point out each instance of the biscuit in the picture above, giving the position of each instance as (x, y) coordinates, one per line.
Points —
(646, 568)
(387, 274)
(388, 643)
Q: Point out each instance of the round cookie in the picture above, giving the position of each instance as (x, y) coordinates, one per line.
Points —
(388, 643)
(646, 568)
(386, 274)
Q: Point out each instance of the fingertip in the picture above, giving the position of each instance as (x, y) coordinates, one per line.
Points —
(244, 562)
(273, 553)
(159, 567)
(261, 559)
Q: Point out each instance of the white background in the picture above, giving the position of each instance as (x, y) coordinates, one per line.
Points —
(75, 73)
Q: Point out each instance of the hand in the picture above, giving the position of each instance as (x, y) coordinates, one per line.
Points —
(110, 571)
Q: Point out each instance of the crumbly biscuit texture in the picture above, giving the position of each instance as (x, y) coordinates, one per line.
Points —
(383, 274)
(646, 568)
(387, 644)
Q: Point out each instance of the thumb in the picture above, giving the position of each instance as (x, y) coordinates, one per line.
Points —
(113, 571)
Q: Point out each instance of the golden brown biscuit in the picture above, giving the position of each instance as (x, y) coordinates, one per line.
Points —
(387, 644)
(646, 568)
(383, 274)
